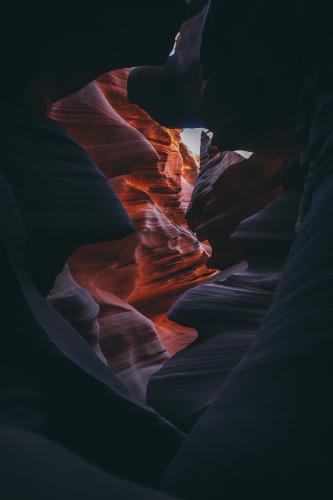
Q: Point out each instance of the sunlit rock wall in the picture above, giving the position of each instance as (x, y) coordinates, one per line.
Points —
(136, 280)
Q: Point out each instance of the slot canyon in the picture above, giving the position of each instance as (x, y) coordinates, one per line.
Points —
(136, 281)
(166, 251)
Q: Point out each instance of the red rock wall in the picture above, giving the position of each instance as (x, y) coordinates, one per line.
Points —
(136, 280)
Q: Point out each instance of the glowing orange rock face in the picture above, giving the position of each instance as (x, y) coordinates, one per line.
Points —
(153, 174)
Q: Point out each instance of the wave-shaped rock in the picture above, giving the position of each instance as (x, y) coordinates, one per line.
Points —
(228, 310)
(137, 279)
(115, 145)
(229, 189)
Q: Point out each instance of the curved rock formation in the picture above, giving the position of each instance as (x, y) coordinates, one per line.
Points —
(116, 146)
(139, 278)
(228, 190)
(78, 307)
(228, 310)
(170, 258)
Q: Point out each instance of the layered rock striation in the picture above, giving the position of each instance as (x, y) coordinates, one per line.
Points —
(136, 280)
(228, 310)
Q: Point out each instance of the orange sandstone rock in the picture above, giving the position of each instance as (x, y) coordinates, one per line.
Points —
(136, 280)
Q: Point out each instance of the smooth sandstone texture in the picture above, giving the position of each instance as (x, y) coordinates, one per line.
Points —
(228, 310)
(65, 200)
(268, 432)
(136, 280)
(229, 189)
(78, 307)
(61, 196)
(55, 384)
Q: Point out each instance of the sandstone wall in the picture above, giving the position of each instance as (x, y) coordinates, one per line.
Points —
(136, 280)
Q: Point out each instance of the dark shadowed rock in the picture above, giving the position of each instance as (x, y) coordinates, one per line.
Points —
(227, 312)
(268, 432)
(65, 200)
(75, 43)
(171, 93)
(229, 189)
(249, 72)
(35, 468)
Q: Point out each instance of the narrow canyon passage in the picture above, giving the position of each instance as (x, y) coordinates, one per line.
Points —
(136, 282)
(166, 250)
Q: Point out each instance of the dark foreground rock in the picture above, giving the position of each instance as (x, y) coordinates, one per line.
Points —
(227, 312)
